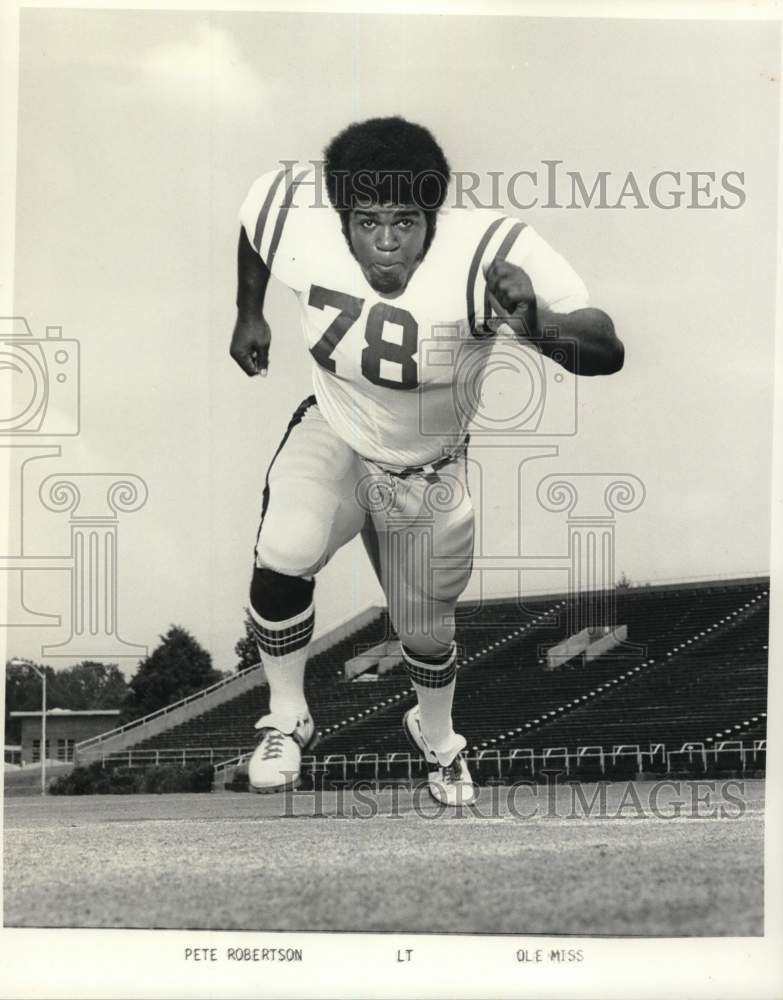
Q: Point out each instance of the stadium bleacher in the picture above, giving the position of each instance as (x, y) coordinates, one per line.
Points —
(693, 670)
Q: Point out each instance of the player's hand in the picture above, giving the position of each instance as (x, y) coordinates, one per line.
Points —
(250, 345)
(512, 296)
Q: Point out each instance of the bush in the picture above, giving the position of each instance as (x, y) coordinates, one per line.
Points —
(203, 778)
(122, 781)
(76, 783)
(99, 780)
(79, 781)
(174, 778)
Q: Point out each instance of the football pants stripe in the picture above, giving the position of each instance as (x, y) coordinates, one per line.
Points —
(296, 419)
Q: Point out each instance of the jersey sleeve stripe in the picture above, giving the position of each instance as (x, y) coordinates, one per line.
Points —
(503, 250)
(264, 213)
(288, 198)
(474, 270)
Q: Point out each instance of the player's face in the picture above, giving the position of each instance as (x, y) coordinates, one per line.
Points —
(388, 242)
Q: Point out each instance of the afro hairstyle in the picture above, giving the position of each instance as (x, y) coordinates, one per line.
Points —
(386, 161)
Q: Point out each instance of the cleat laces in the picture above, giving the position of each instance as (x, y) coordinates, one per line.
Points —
(272, 745)
(452, 773)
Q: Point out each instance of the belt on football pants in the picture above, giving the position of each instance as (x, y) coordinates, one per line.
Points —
(431, 468)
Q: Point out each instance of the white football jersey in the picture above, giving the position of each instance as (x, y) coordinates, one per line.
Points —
(394, 377)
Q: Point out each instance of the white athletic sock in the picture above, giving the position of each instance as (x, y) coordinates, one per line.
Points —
(283, 648)
(434, 685)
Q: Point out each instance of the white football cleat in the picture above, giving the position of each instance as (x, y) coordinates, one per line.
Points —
(276, 762)
(449, 781)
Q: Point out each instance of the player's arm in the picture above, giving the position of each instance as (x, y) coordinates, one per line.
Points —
(580, 338)
(593, 347)
(252, 336)
(582, 341)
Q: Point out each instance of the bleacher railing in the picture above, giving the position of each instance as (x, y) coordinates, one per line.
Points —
(166, 710)
(184, 756)
(585, 754)
(495, 766)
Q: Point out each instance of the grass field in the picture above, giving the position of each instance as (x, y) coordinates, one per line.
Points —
(669, 859)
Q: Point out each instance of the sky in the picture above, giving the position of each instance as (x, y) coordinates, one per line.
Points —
(139, 135)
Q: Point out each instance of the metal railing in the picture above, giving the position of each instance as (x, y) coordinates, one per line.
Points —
(494, 755)
(364, 759)
(399, 765)
(337, 758)
(521, 753)
(393, 758)
(587, 753)
(184, 755)
(166, 710)
(630, 749)
(695, 747)
(553, 754)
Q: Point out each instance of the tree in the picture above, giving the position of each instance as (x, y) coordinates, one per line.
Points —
(246, 648)
(23, 694)
(179, 666)
(84, 685)
(92, 685)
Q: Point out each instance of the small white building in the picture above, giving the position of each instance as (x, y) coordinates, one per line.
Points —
(65, 727)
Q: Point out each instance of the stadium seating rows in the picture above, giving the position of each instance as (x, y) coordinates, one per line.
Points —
(513, 700)
(695, 665)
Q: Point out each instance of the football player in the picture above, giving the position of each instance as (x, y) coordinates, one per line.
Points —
(400, 299)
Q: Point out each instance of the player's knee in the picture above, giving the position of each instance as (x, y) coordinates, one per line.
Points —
(276, 597)
(433, 647)
(295, 543)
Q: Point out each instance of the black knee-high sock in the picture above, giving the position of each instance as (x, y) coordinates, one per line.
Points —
(283, 616)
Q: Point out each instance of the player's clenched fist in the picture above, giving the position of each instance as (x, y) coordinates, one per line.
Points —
(512, 296)
(250, 345)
